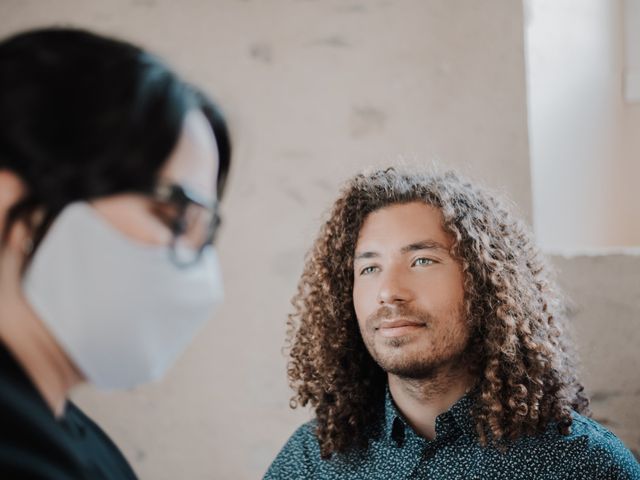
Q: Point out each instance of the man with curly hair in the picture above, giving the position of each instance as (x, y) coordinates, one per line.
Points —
(430, 341)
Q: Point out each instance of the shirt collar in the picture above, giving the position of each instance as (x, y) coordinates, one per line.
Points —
(457, 418)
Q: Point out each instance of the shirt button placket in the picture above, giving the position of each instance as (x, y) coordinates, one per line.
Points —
(413, 449)
(429, 451)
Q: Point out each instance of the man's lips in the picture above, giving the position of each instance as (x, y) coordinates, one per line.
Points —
(397, 327)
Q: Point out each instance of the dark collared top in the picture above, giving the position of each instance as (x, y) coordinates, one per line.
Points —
(589, 452)
(35, 445)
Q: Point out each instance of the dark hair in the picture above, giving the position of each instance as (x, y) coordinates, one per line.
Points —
(520, 351)
(84, 116)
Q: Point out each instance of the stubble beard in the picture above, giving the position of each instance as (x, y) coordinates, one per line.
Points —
(409, 357)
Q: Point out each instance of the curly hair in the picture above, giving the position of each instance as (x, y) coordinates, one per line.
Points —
(519, 349)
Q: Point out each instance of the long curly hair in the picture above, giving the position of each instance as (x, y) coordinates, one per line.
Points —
(519, 350)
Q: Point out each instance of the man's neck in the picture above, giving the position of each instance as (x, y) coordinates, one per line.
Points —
(421, 400)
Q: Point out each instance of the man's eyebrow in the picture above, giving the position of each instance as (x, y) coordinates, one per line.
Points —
(365, 255)
(424, 245)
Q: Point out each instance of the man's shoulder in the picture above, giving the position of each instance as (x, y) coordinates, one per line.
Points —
(299, 456)
(591, 435)
(593, 448)
(305, 439)
(602, 443)
(589, 428)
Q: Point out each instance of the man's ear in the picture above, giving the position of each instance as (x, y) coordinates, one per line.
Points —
(12, 189)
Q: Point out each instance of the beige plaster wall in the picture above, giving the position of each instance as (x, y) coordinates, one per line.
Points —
(605, 293)
(315, 91)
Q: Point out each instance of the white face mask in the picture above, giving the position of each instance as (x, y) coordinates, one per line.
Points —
(122, 311)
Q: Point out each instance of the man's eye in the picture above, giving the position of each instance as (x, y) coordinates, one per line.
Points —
(368, 270)
(423, 261)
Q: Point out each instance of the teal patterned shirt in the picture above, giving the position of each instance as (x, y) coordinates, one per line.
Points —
(398, 452)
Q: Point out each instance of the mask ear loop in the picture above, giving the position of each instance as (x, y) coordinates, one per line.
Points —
(27, 246)
(178, 228)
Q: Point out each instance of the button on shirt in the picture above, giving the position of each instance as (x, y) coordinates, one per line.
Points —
(589, 452)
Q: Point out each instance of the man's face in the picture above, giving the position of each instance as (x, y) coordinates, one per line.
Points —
(408, 291)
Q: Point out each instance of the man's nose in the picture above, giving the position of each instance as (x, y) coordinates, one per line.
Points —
(393, 287)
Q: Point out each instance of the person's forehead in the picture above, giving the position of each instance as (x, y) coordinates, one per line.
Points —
(396, 226)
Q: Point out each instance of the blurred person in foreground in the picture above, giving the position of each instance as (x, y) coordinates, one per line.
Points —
(430, 340)
(110, 172)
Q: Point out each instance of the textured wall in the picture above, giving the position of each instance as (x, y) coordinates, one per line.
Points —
(605, 292)
(315, 90)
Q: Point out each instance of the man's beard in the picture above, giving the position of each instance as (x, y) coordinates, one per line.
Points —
(442, 347)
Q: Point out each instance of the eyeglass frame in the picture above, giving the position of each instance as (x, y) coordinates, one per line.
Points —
(181, 197)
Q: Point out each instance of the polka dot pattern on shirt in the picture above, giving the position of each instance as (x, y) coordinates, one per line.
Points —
(589, 452)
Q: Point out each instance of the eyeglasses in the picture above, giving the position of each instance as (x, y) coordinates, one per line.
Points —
(193, 220)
